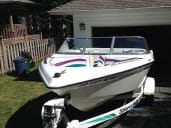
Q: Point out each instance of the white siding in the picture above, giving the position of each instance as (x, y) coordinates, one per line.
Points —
(124, 17)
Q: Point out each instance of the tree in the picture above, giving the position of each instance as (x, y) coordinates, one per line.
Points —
(51, 26)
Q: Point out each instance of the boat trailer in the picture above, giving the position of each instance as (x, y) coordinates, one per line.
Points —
(53, 110)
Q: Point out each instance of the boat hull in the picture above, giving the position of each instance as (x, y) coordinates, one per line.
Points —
(90, 94)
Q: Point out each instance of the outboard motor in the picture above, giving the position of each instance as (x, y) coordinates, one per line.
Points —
(52, 113)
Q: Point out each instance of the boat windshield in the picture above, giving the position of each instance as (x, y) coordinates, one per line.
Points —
(104, 45)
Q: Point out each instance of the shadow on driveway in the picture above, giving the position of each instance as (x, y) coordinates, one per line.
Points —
(157, 115)
(29, 115)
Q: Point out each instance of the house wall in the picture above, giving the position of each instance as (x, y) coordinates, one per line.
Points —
(116, 18)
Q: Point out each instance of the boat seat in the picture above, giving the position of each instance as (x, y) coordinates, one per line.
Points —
(96, 60)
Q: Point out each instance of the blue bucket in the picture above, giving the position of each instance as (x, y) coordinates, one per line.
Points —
(20, 66)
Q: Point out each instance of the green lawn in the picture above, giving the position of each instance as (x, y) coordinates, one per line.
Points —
(16, 92)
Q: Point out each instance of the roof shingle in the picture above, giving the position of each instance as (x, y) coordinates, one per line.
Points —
(87, 5)
(16, 1)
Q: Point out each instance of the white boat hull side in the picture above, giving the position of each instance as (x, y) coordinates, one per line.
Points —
(87, 97)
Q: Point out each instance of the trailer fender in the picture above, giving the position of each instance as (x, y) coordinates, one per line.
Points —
(149, 87)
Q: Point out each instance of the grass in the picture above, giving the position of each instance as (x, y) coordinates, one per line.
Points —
(16, 92)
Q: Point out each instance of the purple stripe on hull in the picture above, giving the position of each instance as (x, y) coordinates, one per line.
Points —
(69, 61)
(113, 60)
(103, 59)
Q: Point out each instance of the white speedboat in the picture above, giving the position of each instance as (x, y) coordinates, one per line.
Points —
(92, 71)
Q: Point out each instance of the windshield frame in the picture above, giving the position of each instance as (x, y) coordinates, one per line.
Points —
(83, 50)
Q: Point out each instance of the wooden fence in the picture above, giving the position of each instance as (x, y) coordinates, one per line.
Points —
(38, 48)
(15, 30)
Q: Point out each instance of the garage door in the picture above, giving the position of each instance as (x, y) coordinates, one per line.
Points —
(158, 39)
